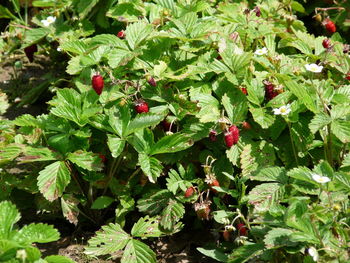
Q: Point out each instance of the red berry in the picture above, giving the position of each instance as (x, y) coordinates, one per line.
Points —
(212, 135)
(244, 90)
(257, 11)
(214, 182)
(219, 57)
(326, 43)
(103, 157)
(246, 125)
(151, 81)
(29, 51)
(189, 192)
(121, 34)
(228, 139)
(242, 229)
(270, 92)
(330, 26)
(226, 235)
(202, 210)
(141, 106)
(233, 129)
(97, 83)
(348, 76)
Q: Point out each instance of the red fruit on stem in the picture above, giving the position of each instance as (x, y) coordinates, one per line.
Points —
(242, 229)
(226, 235)
(212, 135)
(330, 26)
(326, 43)
(246, 125)
(151, 81)
(244, 90)
(97, 83)
(348, 76)
(29, 51)
(103, 157)
(214, 182)
(257, 11)
(141, 106)
(270, 91)
(189, 192)
(228, 139)
(121, 34)
(202, 210)
(233, 129)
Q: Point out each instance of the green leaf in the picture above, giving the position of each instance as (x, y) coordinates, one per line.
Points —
(5, 13)
(58, 259)
(37, 233)
(26, 120)
(138, 252)
(70, 210)
(53, 180)
(102, 202)
(278, 237)
(10, 152)
(108, 240)
(246, 252)
(341, 129)
(119, 119)
(171, 214)
(170, 144)
(137, 32)
(142, 121)
(85, 6)
(37, 154)
(260, 116)
(127, 12)
(236, 106)
(150, 166)
(35, 35)
(119, 57)
(214, 253)
(270, 174)
(9, 216)
(146, 227)
(319, 121)
(297, 7)
(115, 145)
(76, 46)
(154, 202)
(86, 160)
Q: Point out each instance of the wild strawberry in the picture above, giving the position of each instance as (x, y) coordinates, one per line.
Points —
(189, 192)
(151, 81)
(219, 57)
(29, 51)
(226, 235)
(246, 125)
(229, 141)
(242, 229)
(141, 106)
(203, 209)
(326, 43)
(213, 135)
(348, 76)
(244, 90)
(97, 83)
(257, 11)
(121, 34)
(270, 92)
(233, 129)
(102, 157)
(330, 26)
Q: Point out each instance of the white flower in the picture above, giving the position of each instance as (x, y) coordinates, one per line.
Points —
(320, 179)
(59, 49)
(222, 45)
(48, 21)
(238, 51)
(260, 52)
(313, 253)
(313, 68)
(284, 110)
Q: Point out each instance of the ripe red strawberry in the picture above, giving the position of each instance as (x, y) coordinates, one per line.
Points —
(270, 92)
(330, 26)
(233, 129)
(326, 43)
(244, 90)
(214, 182)
(348, 76)
(212, 135)
(97, 83)
(226, 235)
(242, 229)
(141, 106)
(228, 139)
(103, 157)
(246, 125)
(121, 34)
(29, 51)
(151, 81)
(189, 192)
(257, 11)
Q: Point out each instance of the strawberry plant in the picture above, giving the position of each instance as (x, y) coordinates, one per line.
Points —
(192, 114)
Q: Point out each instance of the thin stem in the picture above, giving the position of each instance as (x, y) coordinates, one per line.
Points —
(292, 142)
(114, 166)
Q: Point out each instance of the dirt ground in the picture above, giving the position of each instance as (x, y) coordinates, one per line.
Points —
(14, 83)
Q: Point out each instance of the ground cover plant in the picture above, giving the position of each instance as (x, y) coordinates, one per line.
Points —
(217, 116)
